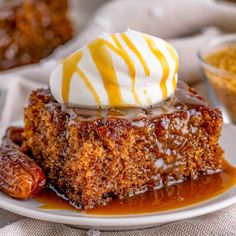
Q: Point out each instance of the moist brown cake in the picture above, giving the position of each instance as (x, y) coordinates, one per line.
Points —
(93, 156)
(31, 29)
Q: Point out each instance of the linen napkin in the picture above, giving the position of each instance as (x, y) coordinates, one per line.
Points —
(220, 223)
(188, 25)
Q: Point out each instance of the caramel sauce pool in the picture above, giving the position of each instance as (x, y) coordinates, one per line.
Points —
(168, 198)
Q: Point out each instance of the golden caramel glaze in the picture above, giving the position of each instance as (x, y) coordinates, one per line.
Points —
(184, 98)
(191, 191)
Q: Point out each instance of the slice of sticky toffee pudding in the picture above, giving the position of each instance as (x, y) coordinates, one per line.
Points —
(144, 134)
(92, 156)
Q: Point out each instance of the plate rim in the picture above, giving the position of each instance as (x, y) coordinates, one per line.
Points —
(155, 218)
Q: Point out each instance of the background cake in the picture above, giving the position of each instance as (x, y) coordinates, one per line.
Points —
(31, 29)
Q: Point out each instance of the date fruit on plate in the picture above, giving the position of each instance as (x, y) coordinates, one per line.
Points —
(20, 176)
(13, 137)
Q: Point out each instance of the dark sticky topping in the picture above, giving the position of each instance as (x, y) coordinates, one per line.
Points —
(184, 98)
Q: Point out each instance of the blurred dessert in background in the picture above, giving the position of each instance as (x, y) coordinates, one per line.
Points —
(31, 29)
(233, 1)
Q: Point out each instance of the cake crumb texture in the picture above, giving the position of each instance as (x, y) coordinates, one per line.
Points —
(94, 159)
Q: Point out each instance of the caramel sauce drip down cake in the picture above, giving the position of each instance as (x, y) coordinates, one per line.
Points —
(91, 159)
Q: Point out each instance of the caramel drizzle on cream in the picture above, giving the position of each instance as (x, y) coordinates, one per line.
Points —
(175, 58)
(137, 53)
(104, 64)
(130, 64)
(70, 66)
(99, 50)
(164, 63)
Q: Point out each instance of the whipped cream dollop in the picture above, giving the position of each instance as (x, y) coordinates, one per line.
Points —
(129, 69)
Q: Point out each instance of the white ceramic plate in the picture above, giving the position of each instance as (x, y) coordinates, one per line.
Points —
(30, 208)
